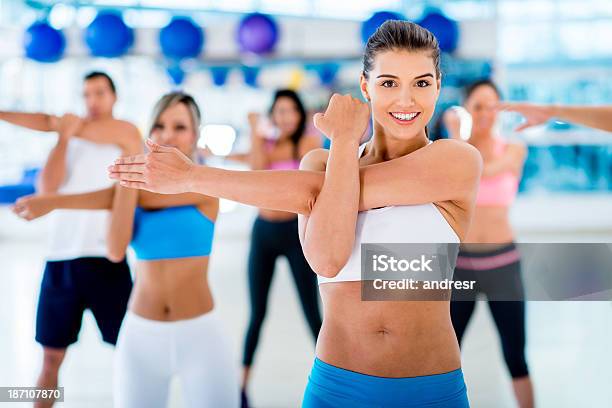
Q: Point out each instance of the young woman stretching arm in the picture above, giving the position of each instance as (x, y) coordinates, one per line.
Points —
(368, 353)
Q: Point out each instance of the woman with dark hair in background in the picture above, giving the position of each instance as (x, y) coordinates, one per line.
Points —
(278, 143)
(489, 256)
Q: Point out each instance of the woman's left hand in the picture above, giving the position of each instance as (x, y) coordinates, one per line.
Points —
(164, 170)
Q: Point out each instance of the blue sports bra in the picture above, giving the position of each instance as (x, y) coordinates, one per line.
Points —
(175, 232)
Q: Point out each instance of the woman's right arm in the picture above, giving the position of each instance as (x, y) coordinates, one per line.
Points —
(121, 223)
(328, 233)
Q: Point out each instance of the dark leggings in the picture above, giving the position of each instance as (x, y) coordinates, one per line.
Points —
(509, 315)
(269, 240)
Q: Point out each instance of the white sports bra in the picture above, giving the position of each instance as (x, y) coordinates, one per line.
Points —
(396, 224)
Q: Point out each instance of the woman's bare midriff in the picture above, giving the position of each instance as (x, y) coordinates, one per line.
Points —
(383, 338)
(172, 289)
(490, 225)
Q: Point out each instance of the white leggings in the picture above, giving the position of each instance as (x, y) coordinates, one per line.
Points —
(149, 353)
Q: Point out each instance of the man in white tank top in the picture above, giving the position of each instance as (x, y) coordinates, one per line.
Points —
(77, 275)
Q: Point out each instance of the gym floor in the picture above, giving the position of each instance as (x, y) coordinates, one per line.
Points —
(568, 342)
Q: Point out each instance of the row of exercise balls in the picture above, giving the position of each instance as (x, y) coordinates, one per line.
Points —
(108, 36)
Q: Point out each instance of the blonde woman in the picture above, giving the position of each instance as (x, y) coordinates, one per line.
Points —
(171, 327)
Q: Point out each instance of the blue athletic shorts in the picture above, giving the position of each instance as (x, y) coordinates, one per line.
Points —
(70, 287)
(333, 387)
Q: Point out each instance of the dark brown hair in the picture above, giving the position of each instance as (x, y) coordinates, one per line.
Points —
(400, 35)
(99, 74)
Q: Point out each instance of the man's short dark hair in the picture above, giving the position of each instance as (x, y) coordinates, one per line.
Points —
(99, 74)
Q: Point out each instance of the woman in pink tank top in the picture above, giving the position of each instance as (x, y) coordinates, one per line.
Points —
(278, 143)
(495, 266)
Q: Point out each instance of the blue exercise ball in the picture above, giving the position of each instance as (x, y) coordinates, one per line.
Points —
(44, 43)
(376, 20)
(445, 30)
(181, 38)
(108, 35)
(257, 33)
